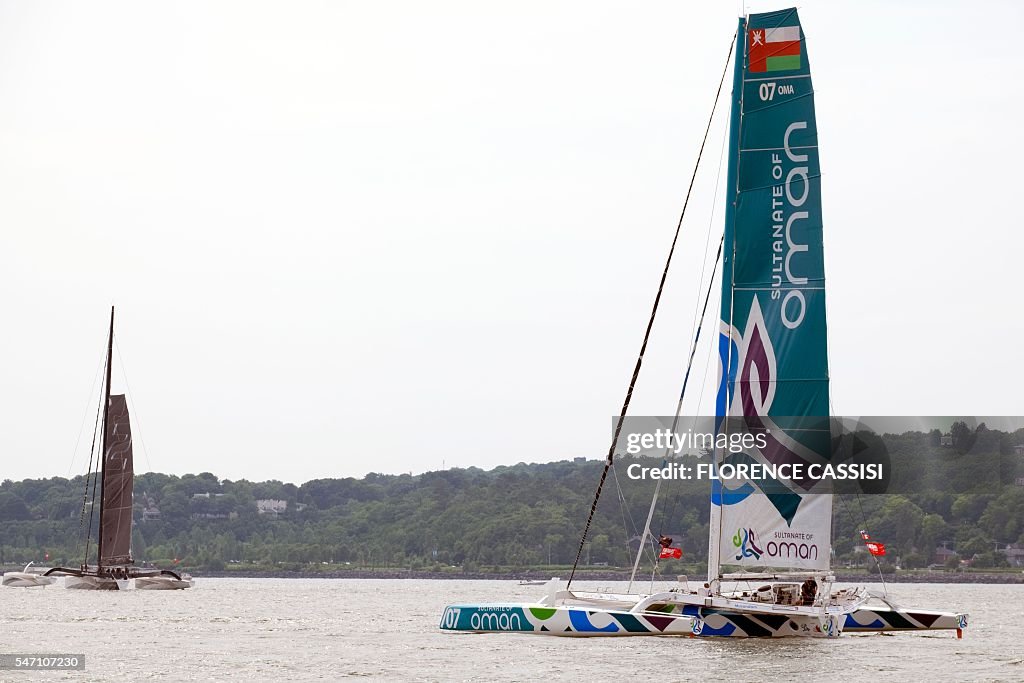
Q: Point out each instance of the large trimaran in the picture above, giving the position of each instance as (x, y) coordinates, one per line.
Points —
(115, 568)
(772, 347)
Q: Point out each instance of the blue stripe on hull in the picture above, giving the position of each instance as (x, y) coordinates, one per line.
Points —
(560, 621)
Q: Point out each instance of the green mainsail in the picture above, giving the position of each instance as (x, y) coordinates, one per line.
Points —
(772, 345)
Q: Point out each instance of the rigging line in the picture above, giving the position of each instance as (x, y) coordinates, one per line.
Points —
(679, 408)
(704, 379)
(622, 511)
(89, 474)
(650, 324)
(74, 454)
(647, 526)
(860, 506)
(703, 313)
(99, 531)
(621, 497)
(653, 549)
(863, 516)
(662, 530)
(707, 368)
(878, 565)
(711, 222)
(654, 571)
(693, 328)
(131, 399)
(622, 502)
(630, 528)
(85, 417)
(862, 524)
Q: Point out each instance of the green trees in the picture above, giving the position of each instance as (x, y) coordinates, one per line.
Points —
(513, 517)
(12, 507)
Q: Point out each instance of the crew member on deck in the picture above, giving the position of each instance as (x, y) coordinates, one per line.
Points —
(808, 591)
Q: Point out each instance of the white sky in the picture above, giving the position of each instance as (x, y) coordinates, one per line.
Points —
(353, 237)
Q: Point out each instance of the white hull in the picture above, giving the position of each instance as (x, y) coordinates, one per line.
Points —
(163, 583)
(578, 615)
(95, 583)
(27, 580)
(563, 620)
(680, 612)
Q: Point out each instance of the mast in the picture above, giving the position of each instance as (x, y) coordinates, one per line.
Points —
(729, 250)
(106, 418)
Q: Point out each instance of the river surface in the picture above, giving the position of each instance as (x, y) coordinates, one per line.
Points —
(327, 629)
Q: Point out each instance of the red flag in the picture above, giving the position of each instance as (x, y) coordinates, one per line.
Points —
(875, 548)
(670, 553)
(774, 49)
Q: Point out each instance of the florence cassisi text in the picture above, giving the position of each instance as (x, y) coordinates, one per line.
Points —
(759, 471)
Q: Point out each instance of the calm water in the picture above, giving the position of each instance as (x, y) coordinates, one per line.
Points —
(299, 629)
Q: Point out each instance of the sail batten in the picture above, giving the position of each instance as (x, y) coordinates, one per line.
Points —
(773, 366)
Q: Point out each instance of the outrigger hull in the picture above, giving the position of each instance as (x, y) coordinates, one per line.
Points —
(870, 619)
(717, 623)
(164, 583)
(26, 580)
(721, 623)
(849, 610)
(562, 621)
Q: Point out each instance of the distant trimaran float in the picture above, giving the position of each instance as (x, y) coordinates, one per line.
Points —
(774, 381)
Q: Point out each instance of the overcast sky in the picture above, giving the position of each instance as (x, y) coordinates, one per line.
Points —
(349, 237)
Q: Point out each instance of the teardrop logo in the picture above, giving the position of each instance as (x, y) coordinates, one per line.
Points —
(757, 365)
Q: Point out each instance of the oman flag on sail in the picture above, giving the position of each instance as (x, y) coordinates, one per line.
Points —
(670, 553)
(774, 49)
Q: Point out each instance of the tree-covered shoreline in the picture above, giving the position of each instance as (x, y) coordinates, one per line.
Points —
(514, 519)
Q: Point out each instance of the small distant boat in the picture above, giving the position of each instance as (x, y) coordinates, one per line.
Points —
(114, 568)
(28, 578)
(528, 582)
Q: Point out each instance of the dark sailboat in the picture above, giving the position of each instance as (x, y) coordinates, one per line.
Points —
(115, 566)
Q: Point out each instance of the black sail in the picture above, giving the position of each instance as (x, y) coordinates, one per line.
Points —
(118, 479)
